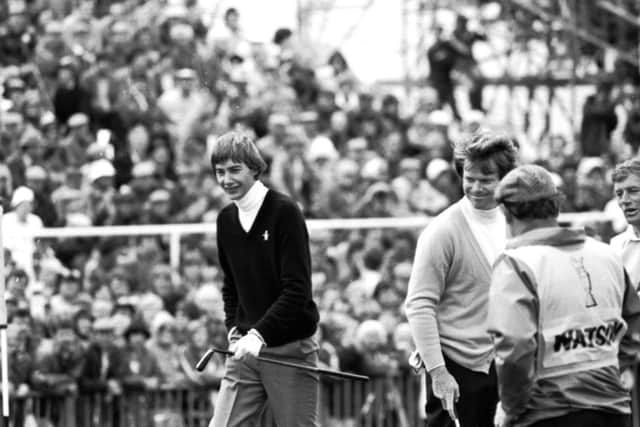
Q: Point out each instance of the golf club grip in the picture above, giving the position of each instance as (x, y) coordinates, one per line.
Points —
(202, 363)
(321, 371)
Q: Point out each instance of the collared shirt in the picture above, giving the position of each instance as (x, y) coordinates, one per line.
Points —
(627, 244)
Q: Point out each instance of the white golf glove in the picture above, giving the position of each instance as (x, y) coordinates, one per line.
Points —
(250, 344)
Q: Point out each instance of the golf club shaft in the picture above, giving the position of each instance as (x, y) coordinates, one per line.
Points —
(203, 361)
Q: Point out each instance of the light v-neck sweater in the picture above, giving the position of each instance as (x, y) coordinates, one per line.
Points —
(447, 299)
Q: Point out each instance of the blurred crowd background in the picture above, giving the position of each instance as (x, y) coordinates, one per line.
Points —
(108, 111)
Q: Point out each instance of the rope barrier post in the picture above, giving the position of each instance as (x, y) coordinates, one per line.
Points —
(174, 249)
(4, 363)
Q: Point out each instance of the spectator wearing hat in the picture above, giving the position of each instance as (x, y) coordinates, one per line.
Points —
(551, 284)
(142, 371)
(18, 227)
(15, 90)
(188, 203)
(69, 97)
(453, 257)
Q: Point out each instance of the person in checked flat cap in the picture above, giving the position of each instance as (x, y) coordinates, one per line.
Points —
(562, 313)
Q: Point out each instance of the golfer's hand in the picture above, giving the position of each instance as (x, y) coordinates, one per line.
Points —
(250, 344)
(446, 389)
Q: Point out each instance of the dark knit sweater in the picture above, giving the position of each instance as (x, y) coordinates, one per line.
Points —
(267, 271)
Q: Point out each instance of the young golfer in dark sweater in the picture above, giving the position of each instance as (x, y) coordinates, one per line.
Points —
(263, 247)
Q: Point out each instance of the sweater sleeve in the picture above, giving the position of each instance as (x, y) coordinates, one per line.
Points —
(431, 265)
(229, 291)
(291, 306)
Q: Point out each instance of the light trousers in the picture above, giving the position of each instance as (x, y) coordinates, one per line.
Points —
(255, 393)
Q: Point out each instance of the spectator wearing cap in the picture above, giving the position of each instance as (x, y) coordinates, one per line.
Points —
(18, 227)
(142, 366)
(78, 139)
(158, 207)
(38, 181)
(144, 180)
(101, 175)
(69, 97)
(548, 281)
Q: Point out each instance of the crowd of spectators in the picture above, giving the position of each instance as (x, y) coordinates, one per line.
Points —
(107, 112)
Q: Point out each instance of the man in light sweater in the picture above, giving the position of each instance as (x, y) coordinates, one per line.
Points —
(263, 248)
(449, 288)
(626, 186)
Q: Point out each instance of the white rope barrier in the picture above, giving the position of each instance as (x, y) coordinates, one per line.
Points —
(175, 231)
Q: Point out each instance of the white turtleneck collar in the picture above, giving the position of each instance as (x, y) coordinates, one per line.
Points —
(249, 204)
(488, 227)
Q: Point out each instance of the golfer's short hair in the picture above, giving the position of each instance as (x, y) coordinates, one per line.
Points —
(240, 148)
(626, 169)
(483, 147)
